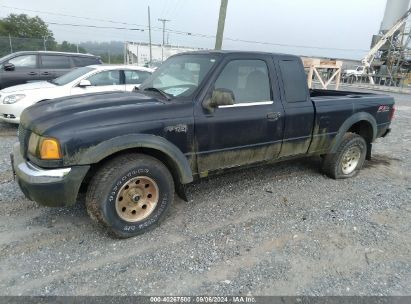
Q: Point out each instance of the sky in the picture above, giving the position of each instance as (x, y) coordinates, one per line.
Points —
(328, 28)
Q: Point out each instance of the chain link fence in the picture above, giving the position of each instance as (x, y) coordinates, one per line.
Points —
(13, 44)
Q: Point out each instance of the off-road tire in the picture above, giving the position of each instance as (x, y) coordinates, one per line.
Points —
(332, 164)
(102, 193)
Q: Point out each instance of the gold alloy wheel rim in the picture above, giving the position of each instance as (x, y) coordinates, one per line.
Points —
(350, 160)
(137, 199)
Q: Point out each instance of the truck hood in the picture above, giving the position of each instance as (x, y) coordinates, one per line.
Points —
(88, 110)
(29, 86)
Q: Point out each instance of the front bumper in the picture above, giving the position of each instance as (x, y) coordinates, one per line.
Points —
(48, 187)
(9, 113)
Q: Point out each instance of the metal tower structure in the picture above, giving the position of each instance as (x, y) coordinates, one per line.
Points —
(390, 53)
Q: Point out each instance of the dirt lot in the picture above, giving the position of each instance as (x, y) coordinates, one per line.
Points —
(284, 229)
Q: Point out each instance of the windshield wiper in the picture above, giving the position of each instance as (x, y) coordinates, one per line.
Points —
(153, 89)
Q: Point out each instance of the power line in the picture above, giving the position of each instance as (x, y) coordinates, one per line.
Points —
(96, 26)
(104, 20)
(293, 45)
(166, 8)
(211, 37)
(177, 32)
(73, 16)
(174, 8)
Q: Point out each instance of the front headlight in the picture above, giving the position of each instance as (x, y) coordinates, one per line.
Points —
(44, 147)
(33, 144)
(13, 98)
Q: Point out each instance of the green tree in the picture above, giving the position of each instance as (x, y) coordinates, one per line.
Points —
(23, 26)
(28, 33)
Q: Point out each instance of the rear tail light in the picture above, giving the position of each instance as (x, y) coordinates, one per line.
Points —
(392, 113)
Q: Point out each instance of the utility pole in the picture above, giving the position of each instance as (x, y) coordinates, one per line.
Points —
(149, 35)
(221, 22)
(44, 43)
(164, 32)
(11, 45)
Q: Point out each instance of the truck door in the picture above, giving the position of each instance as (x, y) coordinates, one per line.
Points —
(251, 129)
(299, 109)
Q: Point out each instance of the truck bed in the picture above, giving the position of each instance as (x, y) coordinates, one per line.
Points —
(318, 94)
(333, 108)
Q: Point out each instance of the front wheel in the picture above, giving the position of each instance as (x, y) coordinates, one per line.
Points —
(130, 194)
(348, 159)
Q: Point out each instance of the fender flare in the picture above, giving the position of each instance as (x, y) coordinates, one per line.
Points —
(109, 147)
(349, 122)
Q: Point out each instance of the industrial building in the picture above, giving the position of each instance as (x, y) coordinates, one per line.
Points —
(139, 53)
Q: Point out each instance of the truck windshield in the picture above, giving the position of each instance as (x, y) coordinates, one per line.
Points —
(71, 76)
(180, 76)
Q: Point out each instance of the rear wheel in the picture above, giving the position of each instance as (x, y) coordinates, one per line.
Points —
(130, 194)
(348, 159)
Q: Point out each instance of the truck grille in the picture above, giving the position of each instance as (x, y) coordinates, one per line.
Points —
(24, 136)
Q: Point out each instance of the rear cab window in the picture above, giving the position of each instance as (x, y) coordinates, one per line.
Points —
(294, 81)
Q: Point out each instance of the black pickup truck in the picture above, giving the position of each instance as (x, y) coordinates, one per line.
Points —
(200, 113)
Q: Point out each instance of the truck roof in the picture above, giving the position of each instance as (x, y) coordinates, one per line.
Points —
(233, 52)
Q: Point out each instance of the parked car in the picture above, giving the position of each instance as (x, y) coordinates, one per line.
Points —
(199, 113)
(22, 67)
(90, 79)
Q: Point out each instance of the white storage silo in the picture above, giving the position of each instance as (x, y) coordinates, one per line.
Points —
(394, 10)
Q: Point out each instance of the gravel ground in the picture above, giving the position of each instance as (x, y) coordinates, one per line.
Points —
(283, 229)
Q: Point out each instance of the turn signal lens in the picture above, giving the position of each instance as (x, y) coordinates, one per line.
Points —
(50, 149)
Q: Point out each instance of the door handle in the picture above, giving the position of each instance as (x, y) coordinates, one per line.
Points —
(273, 116)
(32, 73)
(45, 73)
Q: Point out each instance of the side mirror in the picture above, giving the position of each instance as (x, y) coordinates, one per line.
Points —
(219, 97)
(9, 66)
(84, 83)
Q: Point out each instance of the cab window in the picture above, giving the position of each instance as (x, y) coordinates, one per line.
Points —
(247, 79)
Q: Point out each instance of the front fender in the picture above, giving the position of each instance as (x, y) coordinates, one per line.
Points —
(349, 122)
(104, 149)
